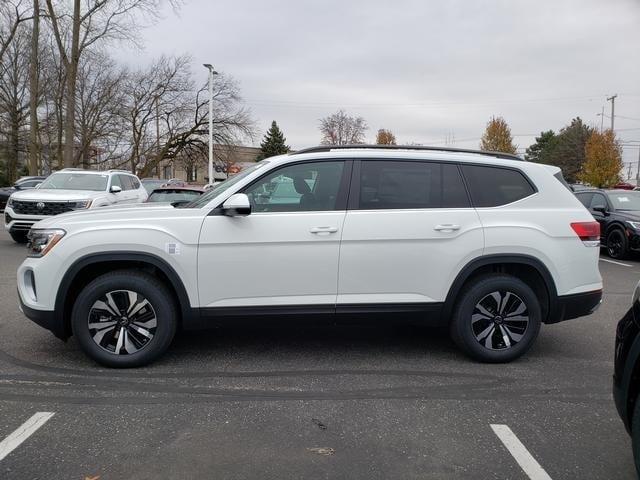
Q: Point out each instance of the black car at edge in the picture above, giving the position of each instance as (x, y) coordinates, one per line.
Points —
(626, 376)
(618, 212)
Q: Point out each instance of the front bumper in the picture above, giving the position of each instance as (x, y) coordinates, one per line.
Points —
(576, 305)
(45, 318)
(14, 222)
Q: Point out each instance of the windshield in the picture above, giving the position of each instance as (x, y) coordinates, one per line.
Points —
(76, 181)
(625, 201)
(222, 186)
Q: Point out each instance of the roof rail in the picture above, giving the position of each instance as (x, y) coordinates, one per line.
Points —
(328, 148)
(70, 169)
(120, 170)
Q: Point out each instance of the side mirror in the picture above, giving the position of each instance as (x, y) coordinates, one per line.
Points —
(237, 205)
(115, 189)
(601, 209)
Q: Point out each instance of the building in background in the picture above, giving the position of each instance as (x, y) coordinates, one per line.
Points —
(228, 160)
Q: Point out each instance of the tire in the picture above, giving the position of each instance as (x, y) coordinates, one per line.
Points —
(19, 236)
(138, 304)
(501, 297)
(635, 435)
(617, 244)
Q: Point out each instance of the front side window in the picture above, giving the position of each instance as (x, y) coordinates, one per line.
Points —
(76, 181)
(495, 186)
(402, 185)
(598, 201)
(298, 188)
(125, 181)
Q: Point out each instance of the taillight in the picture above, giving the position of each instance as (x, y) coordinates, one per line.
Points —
(588, 232)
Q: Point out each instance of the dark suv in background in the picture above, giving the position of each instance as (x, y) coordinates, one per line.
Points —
(626, 376)
(618, 212)
(25, 183)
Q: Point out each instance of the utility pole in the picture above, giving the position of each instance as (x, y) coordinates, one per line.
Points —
(601, 115)
(612, 98)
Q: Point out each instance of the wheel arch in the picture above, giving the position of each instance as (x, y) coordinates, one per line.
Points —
(91, 266)
(529, 269)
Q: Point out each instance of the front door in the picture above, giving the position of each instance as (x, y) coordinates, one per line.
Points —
(285, 253)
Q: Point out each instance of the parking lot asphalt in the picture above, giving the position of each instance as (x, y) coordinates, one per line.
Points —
(314, 402)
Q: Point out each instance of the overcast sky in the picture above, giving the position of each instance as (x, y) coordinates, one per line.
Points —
(430, 71)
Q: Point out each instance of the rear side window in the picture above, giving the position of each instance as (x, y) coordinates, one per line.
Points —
(585, 198)
(495, 186)
(401, 185)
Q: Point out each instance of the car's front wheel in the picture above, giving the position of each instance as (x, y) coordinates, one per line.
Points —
(19, 236)
(496, 319)
(124, 319)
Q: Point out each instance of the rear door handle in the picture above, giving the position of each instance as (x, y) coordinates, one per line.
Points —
(446, 227)
(323, 230)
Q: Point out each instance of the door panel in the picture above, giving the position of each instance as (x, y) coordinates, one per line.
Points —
(405, 256)
(269, 259)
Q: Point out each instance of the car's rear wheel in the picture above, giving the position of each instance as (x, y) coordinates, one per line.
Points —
(124, 319)
(496, 319)
(19, 236)
(635, 435)
(617, 245)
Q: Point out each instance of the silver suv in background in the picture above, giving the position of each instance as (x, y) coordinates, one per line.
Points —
(68, 190)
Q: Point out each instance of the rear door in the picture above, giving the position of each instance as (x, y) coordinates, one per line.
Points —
(409, 230)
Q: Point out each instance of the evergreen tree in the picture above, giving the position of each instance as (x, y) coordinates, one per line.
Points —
(273, 143)
(540, 151)
(567, 150)
(497, 137)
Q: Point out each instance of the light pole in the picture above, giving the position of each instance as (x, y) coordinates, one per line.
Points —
(212, 72)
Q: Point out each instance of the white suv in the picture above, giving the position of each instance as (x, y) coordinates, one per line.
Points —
(67, 190)
(485, 243)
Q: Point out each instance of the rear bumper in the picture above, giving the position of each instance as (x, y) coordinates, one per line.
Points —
(576, 305)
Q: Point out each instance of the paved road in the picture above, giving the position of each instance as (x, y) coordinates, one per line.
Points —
(320, 402)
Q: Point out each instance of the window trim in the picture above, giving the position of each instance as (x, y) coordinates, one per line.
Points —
(341, 198)
(354, 193)
(503, 167)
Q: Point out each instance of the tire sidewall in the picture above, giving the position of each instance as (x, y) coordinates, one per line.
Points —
(623, 254)
(461, 327)
(146, 285)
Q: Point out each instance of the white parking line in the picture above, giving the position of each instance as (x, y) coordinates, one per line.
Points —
(23, 432)
(616, 263)
(532, 468)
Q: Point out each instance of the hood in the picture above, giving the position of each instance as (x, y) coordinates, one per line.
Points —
(633, 215)
(56, 195)
(115, 215)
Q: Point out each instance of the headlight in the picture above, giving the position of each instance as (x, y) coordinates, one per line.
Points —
(41, 241)
(10, 202)
(80, 205)
(634, 225)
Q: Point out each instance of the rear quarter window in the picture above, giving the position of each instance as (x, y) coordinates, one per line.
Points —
(495, 186)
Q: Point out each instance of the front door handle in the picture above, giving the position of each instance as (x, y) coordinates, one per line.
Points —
(446, 227)
(323, 230)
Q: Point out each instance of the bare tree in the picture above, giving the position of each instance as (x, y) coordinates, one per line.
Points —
(12, 14)
(14, 100)
(90, 22)
(34, 91)
(100, 96)
(342, 129)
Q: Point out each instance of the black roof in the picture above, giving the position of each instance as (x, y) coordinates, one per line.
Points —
(328, 148)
